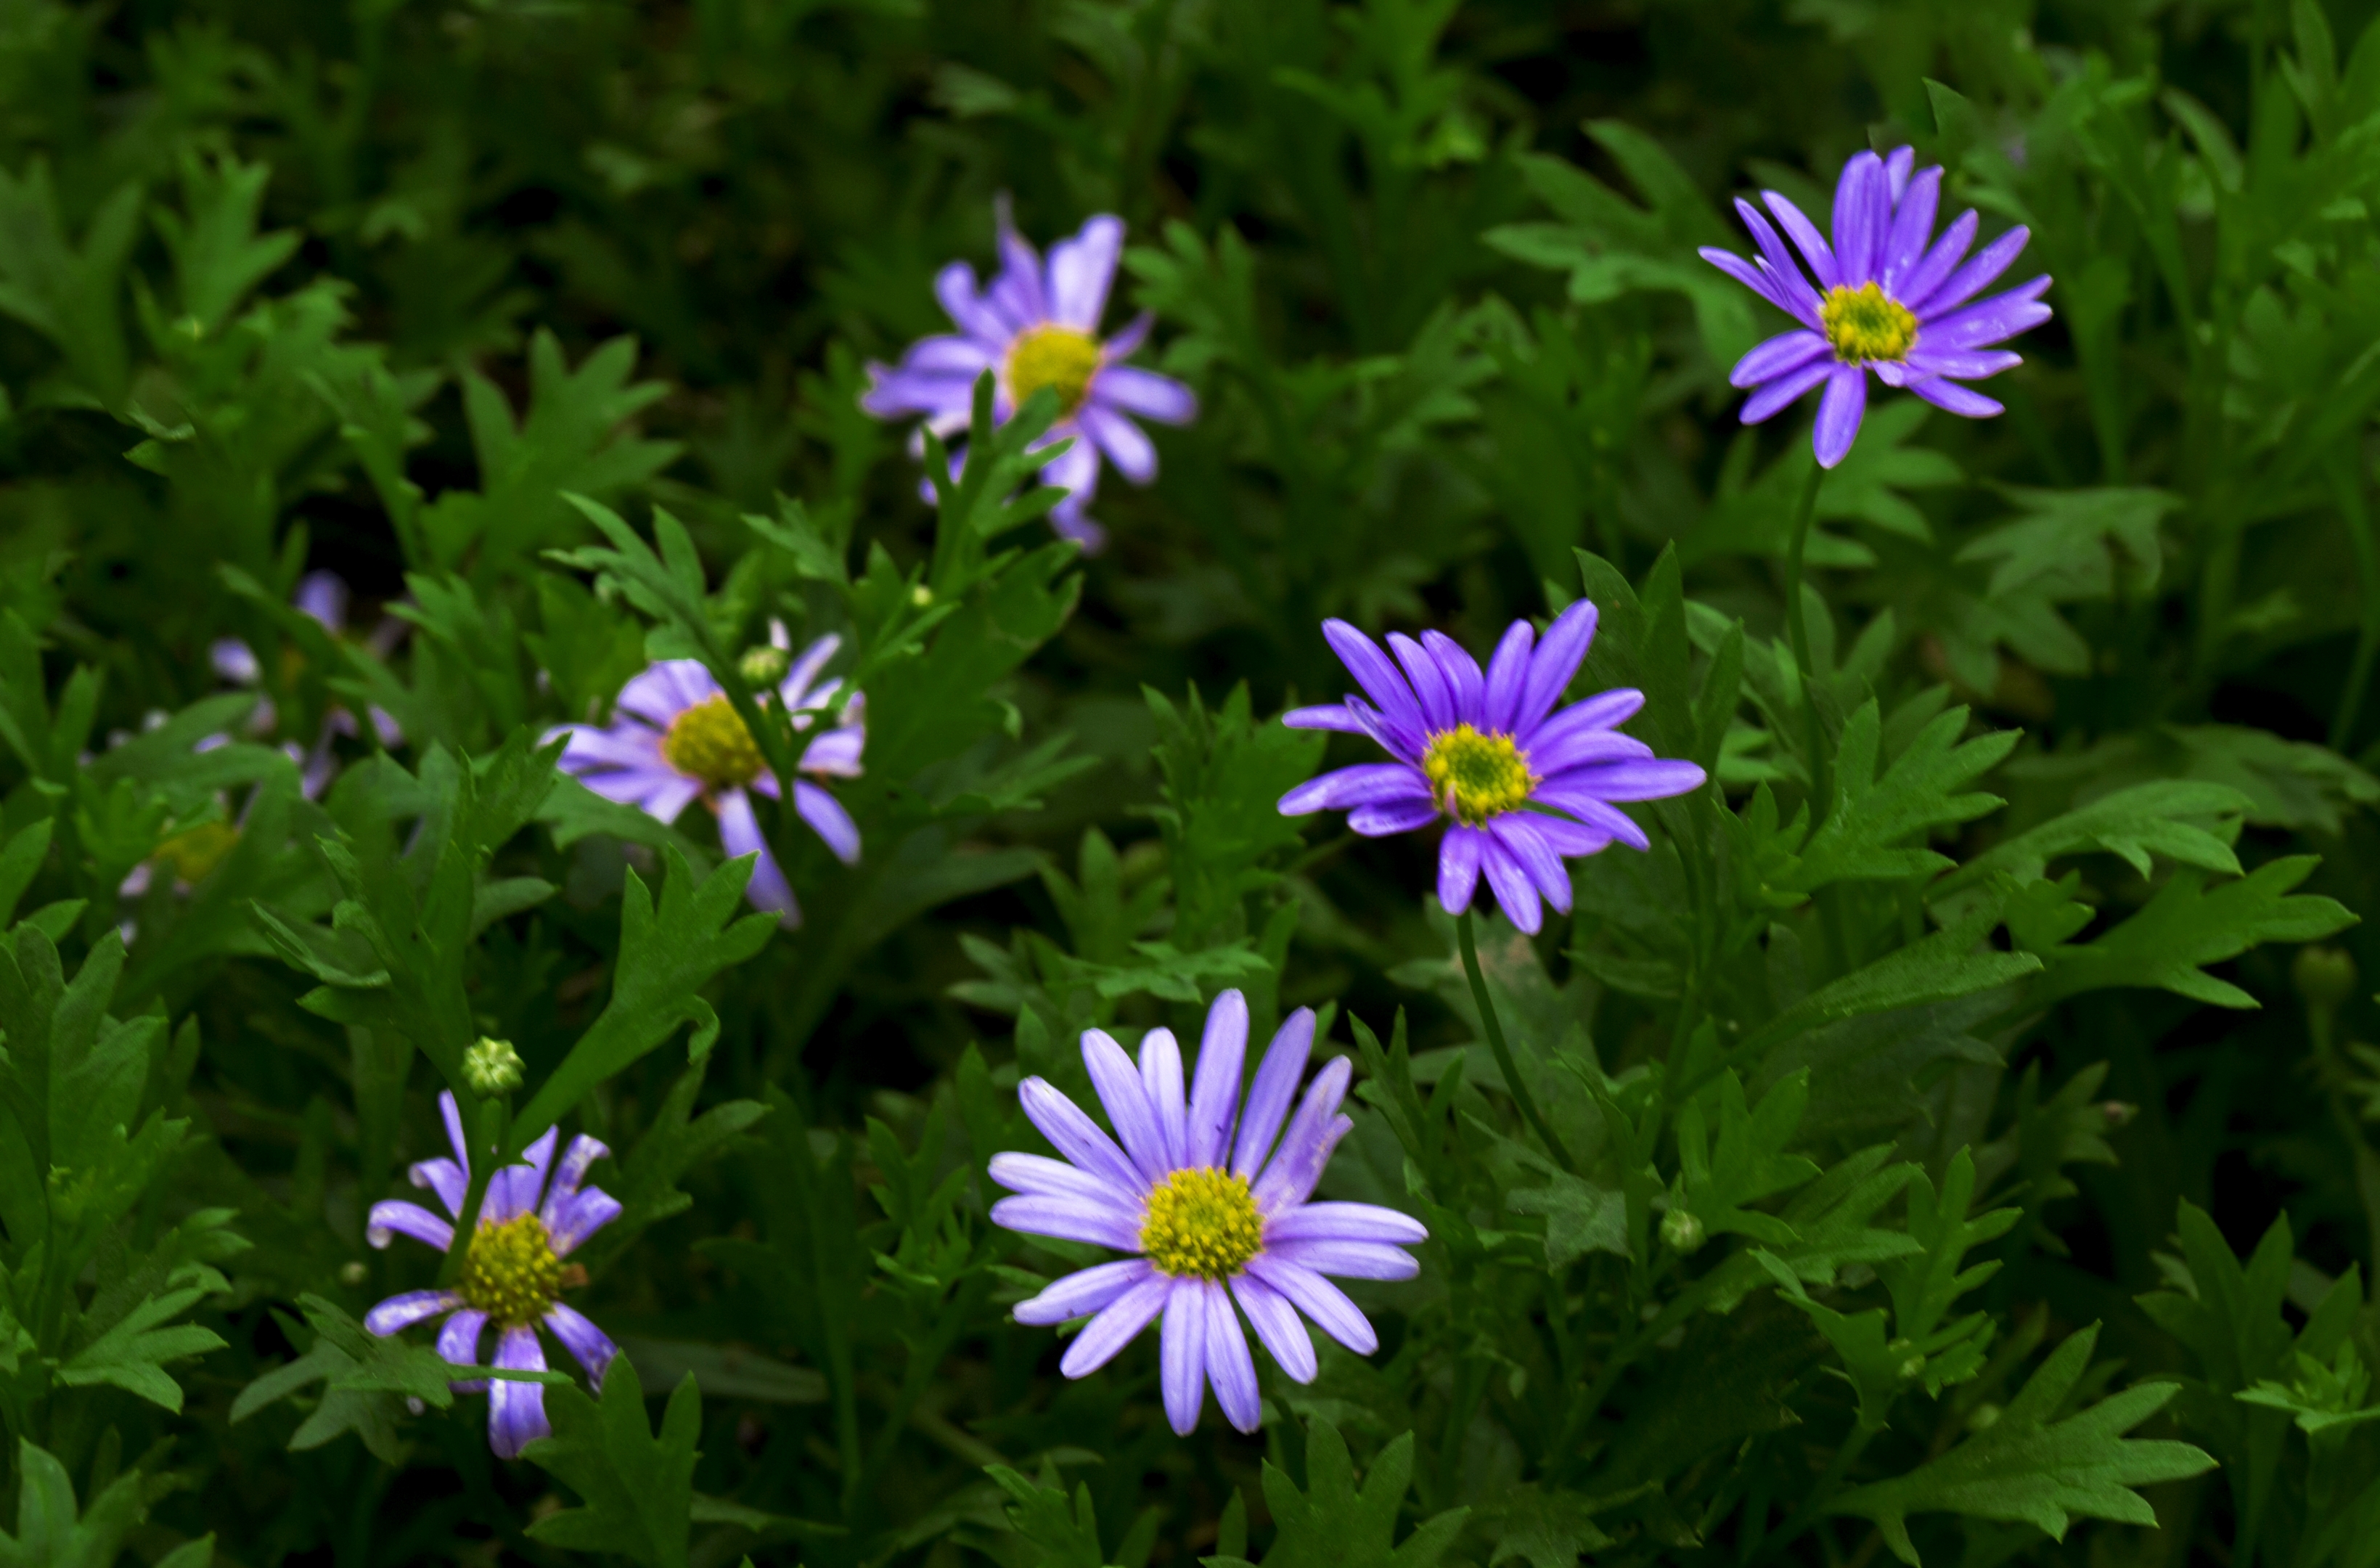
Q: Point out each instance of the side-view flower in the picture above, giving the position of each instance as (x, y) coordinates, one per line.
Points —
(513, 1276)
(1481, 749)
(1886, 300)
(1211, 1208)
(1038, 325)
(675, 740)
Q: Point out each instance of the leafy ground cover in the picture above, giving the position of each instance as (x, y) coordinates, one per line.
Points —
(1053, 781)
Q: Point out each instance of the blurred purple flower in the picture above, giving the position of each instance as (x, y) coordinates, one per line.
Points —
(1479, 747)
(512, 1275)
(675, 740)
(323, 596)
(1035, 326)
(1211, 1218)
(1885, 300)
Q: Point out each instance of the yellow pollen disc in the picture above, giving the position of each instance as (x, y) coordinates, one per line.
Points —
(1057, 358)
(1475, 776)
(193, 854)
(1863, 323)
(512, 1274)
(709, 742)
(1202, 1222)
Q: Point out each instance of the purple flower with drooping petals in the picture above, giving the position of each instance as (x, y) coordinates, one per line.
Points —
(513, 1274)
(1525, 787)
(676, 740)
(1212, 1209)
(1888, 298)
(1037, 326)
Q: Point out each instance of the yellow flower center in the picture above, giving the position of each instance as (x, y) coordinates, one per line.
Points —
(512, 1274)
(1863, 323)
(193, 854)
(1475, 776)
(709, 742)
(1202, 1222)
(1058, 358)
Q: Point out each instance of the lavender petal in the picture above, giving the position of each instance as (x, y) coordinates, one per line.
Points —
(1779, 355)
(443, 1177)
(1076, 1136)
(1305, 1144)
(1133, 390)
(1129, 1112)
(1349, 1259)
(1785, 391)
(1594, 813)
(1927, 275)
(1215, 1087)
(590, 1344)
(1277, 1326)
(1554, 664)
(1182, 1355)
(1126, 445)
(396, 1217)
(1082, 1293)
(1081, 270)
(517, 1411)
(1117, 1325)
(1269, 1098)
(1517, 832)
(1508, 671)
(587, 1212)
(1391, 816)
(1040, 1175)
(1161, 1079)
(1949, 396)
(1515, 894)
(1464, 677)
(1913, 224)
(1344, 1222)
(1377, 677)
(1229, 1367)
(739, 834)
(1320, 1300)
(1839, 412)
(1363, 785)
(399, 1312)
(1978, 274)
(1458, 867)
(1429, 684)
(458, 1344)
(1804, 235)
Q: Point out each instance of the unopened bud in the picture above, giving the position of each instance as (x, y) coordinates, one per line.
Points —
(1987, 1415)
(764, 666)
(1681, 1231)
(2326, 977)
(353, 1274)
(492, 1066)
(921, 596)
(2118, 1112)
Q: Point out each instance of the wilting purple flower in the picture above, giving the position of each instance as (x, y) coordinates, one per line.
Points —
(1037, 326)
(676, 740)
(1481, 749)
(1212, 1210)
(1885, 300)
(512, 1275)
(321, 595)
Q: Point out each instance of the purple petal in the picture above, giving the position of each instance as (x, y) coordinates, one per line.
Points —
(739, 834)
(1122, 441)
(1081, 270)
(665, 689)
(1277, 1326)
(515, 1190)
(1215, 1089)
(1580, 746)
(827, 818)
(584, 1152)
(1429, 682)
(1306, 1145)
(1787, 283)
(586, 1213)
(1363, 785)
(1161, 1079)
(893, 393)
(1182, 1355)
(1839, 412)
(323, 596)
(590, 1344)
(1595, 813)
(1392, 817)
(1018, 287)
(1133, 390)
(1784, 392)
(1927, 275)
(1117, 1325)
(517, 1411)
(1319, 1299)
(1517, 832)
(1269, 1098)
(1129, 1112)
(794, 687)
(1758, 278)
(1458, 867)
(1463, 675)
(400, 1312)
(1861, 210)
(1961, 365)
(1786, 352)
(235, 661)
(2002, 316)
(458, 1344)
(1953, 398)
(394, 1217)
(1128, 339)
(1329, 716)
(1554, 664)
(1508, 671)
(1075, 471)
(1344, 1222)
(1972, 279)
(1040, 1175)
(1229, 1367)
(1349, 1259)
(955, 286)
(1652, 778)
(1912, 225)
(1572, 840)
(1069, 1219)
(1804, 235)
(443, 1177)
(452, 1114)
(1897, 165)
(1082, 1293)
(835, 753)
(1076, 1136)
(1515, 894)
(1380, 680)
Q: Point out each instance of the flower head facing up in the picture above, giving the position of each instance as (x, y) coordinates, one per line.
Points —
(1210, 1195)
(534, 1216)
(1887, 296)
(676, 740)
(1035, 327)
(1524, 787)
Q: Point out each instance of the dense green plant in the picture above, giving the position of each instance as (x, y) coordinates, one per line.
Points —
(1956, 1125)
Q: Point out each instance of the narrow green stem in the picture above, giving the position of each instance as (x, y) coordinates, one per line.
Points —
(1796, 626)
(2347, 480)
(1495, 1030)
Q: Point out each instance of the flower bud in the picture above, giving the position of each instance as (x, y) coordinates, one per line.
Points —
(492, 1067)
(353, 1274)
(2325, 975)
(764, 666)
(1681, 1231)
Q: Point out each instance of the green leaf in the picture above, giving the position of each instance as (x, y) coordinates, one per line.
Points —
(675, 1140)
(1225, 774)
(2185, 926)
(638, 1485)
(130, 1354)
(1549, 1526)
(2028, 1466)
(1333, 1524)
(71, 295)
(1948, 964)
(1919, 791)
(1581, 1217)
(218, 255)
(1058, 1531)
(1749, 1161)
(51, 1532)
(2163, 818)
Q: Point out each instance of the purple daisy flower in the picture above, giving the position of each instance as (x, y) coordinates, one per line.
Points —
(1886, 301)
(1035, 326)
(323, 596)
(1479, 749)
(513, 1274)
(676, 740)
(1212, 1209)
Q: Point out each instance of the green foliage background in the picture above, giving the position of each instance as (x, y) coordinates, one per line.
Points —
(1958, 1140)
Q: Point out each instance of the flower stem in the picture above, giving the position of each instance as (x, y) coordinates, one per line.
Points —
(1796, 626)
(1495, 1029)
(2347, 480)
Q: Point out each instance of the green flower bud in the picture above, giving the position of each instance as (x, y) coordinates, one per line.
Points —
(492, 1066)
(353, 1274)
(764, 666)
(2326, 977)
(1681, 1232)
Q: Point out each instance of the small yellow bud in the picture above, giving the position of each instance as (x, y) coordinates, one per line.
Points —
(1681, 1231)
(492, 1066)
(764, 666)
